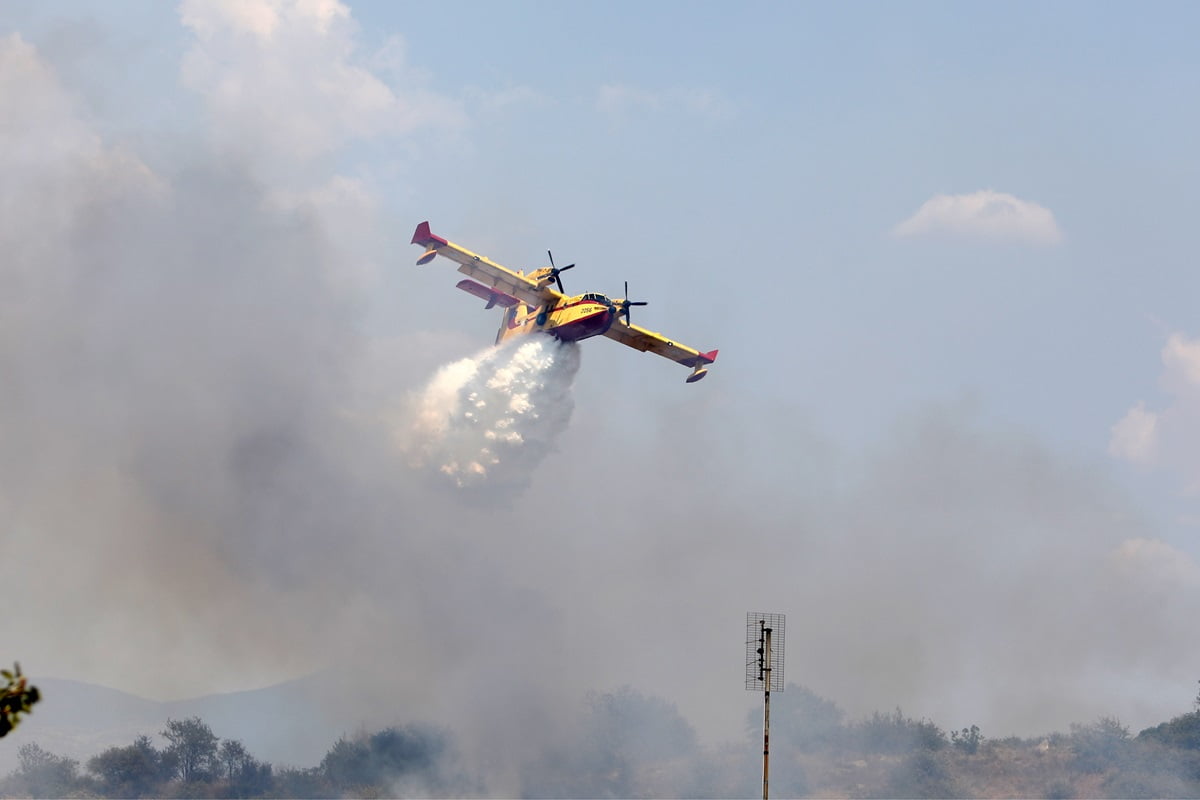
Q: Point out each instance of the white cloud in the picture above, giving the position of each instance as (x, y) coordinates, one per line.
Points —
(1156, 561)
(259, 18)
(621, 99)
(36, 117)
(1181, 357)
(256, 17)
(1169, 437)
(1134, 437)
(985, 214)
(283, 79)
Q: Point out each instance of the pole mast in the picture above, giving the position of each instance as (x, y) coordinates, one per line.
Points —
(766, 706)
(764, 670)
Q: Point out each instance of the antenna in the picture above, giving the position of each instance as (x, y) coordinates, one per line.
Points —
(764, 669)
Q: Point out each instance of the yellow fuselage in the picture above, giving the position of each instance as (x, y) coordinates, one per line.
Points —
(571, 319)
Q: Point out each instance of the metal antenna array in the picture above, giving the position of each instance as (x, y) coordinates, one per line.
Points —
(764, 669)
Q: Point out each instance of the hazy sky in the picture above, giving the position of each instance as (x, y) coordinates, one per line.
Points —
(946, 251)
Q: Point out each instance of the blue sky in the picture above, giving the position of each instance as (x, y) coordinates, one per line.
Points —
(917, 232)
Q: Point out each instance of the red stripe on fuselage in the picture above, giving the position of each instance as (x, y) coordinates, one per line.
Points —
(599, 306)
(584, 327)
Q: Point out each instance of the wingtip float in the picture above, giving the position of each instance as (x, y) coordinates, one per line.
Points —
(536, 303)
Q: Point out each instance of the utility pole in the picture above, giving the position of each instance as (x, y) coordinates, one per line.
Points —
(764, 670)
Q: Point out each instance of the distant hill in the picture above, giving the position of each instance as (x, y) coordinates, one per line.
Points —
(277, 724)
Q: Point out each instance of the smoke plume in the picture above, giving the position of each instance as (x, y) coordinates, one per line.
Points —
(196, 503)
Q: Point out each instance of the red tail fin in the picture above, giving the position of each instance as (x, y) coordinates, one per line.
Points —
(424, 237)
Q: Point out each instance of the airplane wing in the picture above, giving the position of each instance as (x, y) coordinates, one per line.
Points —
(644, 340)
(493, 297)
(483, 269)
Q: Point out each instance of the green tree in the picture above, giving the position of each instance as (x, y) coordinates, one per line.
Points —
(921, 775)
(233, 756)
(620, 732)
(16, 698)
(800, 718)
(41, 773)
(300, 783)
(896, 734)
(1101, 745)
(417, 755)
(254, 779)
(245, 775)
(1182, 732)
(968, 740)
(643, 728)
(193, 746)
(137, 770)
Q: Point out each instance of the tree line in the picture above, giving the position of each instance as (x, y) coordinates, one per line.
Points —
(1099, 759)
(625, 744)
(196, 763)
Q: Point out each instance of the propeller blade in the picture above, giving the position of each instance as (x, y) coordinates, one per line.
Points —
(556, 271)
(625, 304)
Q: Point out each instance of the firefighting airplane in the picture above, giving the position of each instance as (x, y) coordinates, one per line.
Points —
(532, 305)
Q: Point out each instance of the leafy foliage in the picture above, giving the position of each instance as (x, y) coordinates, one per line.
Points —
(1102, 744)
(630, 745)
(411, 756)
(244, 775)
(801, 717)
(302, 784)
(193, 747)
(644, 728)
(922, 774)
(415, 760)
(43, 774)
(1182, 732)
(967, 740)
(896, 734)
(620, 732)
(136, 770)
(16, 698)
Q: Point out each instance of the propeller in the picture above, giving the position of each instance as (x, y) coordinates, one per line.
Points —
(554, 271)
(624, 304)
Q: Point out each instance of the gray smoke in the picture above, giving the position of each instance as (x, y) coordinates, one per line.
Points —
(201, 498)
(199, 492)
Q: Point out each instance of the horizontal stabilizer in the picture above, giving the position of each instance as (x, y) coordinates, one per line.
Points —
(700, 359)
(493, 297)
(424, 237)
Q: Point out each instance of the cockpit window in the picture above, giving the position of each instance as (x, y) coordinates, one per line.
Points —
(594, 297)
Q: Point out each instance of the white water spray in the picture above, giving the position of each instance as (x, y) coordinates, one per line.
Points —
(489, 420)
